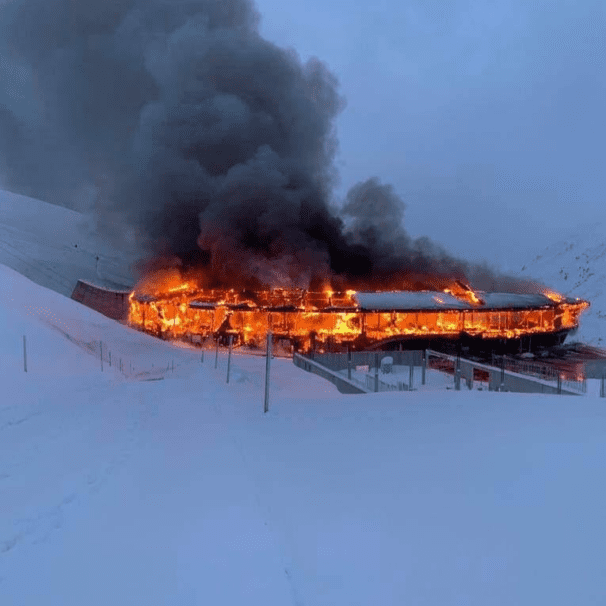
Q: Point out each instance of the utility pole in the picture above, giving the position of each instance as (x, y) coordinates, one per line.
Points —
(267, 369)
(231, 340)
(424, 367)
(458, 373)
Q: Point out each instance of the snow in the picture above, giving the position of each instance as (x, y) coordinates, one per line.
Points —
(158, 486)
(117, 489)
(576, 267)
(55, 247)
(439, 300)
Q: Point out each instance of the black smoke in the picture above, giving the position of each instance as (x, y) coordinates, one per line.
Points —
(214, 144)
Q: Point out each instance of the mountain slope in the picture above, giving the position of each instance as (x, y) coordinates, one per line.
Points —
(576, 266)
(55, 247)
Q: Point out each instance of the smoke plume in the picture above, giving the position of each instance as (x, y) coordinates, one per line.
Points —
(178, 120)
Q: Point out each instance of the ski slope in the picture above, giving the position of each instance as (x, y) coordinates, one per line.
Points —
(56, 246)
(117, 489)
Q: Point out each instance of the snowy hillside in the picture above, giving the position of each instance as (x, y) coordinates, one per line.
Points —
(55, 246)
(576, 266)
(118, 489)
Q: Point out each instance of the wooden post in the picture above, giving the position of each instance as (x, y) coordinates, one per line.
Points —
(24, 355)
(110, 359)
(410, 374)
(349, 363)
(217, 353)
(376, 373)
(603, 386)
(267, 369)
(101, 350)
(202, 358)
(231, 340)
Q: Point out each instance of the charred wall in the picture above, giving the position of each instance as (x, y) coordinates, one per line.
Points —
(110, 303)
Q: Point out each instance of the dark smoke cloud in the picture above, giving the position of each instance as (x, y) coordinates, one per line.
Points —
(214, 144)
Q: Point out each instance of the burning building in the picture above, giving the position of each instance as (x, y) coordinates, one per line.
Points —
(330, 321)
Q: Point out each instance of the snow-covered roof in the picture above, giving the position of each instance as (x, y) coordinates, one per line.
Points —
(407, 300)
(428, 300)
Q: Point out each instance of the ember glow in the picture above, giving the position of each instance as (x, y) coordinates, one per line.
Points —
(331, 319)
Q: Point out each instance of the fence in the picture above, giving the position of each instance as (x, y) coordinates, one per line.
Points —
(560, 376)
(366, 365)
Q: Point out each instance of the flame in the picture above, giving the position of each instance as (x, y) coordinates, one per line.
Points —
(554, 296)
(463, 292)
(172, 309)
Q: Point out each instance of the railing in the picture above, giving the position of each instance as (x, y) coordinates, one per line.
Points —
(545, 372)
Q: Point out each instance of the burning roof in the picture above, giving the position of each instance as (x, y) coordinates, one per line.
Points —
(307, 318)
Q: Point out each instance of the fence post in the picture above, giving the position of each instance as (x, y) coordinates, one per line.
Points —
(424, 367)
(202, 358)
(101, 350)
(376, 373)
(603, 386)
(24, 355)
(410, 375)
(110, 359)
(231, 339)
(217, 353)
(559, 383)
(349, 363)
(502, 386)
(267, 368)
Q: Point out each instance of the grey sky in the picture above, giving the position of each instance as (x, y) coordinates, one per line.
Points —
(488, 118)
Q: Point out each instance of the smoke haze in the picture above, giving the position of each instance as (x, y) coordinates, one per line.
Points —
(215, 147)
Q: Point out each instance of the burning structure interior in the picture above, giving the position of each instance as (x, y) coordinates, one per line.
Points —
(334, 321)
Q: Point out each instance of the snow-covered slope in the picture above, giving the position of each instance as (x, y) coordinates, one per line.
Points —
(115, 489)
(576, 266)
(55, 246)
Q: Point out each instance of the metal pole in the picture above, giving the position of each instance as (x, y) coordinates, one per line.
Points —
(24, 355)
(458, 374)
(267, 369)
(231, 340)
(217, 353)
(424, 367)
